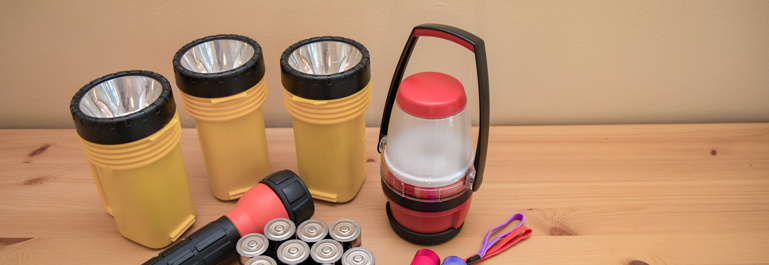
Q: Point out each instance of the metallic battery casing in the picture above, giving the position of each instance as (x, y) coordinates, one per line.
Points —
(347, 232)
(358, 256)
(278, 230)
(312, 231)
(327, 251)
(293, 252)
(261, 260)
(251, 245)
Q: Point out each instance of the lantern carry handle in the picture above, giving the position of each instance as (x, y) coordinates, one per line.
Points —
(475, 45)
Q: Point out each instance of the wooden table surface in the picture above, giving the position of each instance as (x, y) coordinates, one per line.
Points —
(615, 194)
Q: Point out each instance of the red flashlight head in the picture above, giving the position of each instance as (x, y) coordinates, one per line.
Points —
(280, 195)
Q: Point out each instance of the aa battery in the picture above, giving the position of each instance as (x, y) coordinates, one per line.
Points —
(358, 256)
(261, 260)
(327, 252)
(347, 232)
(278, 230)
(293, 252)
(312, 231)
(251, 245)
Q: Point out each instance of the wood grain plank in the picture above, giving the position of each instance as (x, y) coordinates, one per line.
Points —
(610, 194)
(609, 249)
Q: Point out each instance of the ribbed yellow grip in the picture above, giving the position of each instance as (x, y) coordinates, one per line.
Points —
(330, 137)
(143, 184)
(232, 138)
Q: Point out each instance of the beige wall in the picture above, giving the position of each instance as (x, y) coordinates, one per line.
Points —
(550, 62)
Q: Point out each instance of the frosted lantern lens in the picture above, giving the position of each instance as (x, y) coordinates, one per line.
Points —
(429, 152)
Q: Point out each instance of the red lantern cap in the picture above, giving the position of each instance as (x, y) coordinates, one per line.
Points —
(431, 95)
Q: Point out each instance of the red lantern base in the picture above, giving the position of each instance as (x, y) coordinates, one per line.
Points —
(427, 228)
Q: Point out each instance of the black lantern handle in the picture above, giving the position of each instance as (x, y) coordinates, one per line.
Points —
(475, 45)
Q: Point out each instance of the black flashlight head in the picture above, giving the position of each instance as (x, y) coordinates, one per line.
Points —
(325, 68)
(122, 107)
(293, 193)
(218, 66)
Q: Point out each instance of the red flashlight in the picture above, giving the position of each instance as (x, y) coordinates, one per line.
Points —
(280, 195)
(429, 168)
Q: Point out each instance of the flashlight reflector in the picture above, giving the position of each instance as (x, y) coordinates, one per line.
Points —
(325, 57)
(120, 96)
(216, 56)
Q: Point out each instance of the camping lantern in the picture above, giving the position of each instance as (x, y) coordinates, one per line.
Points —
(429, 168)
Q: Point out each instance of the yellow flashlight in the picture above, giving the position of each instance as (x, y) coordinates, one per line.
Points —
(223, 87)
(327, 88)
(129, 130)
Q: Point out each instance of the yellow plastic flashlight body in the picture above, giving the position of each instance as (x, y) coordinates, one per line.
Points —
(143, 184)
(330, 137)
(232, 138)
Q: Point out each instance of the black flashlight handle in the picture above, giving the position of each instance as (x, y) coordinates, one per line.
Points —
(209, 245)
